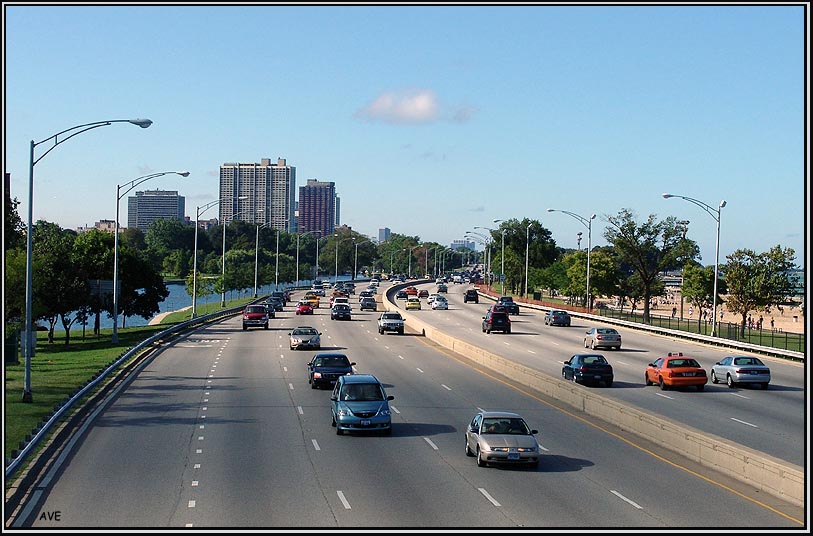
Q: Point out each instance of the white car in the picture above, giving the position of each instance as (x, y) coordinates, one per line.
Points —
(432, 297)
(440, 303)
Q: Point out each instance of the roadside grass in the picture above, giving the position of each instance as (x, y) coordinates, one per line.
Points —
(57, 371)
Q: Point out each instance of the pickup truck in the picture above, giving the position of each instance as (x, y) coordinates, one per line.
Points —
(390, 321)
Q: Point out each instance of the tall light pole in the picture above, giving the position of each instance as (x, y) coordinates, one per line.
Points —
(119, 194)
(587, 222)
(711, 212)
(488, 248)
(30, 341)
(356, 261)
(502, 257)
(527, 243)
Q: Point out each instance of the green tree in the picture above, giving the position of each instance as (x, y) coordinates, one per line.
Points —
(93, 256)
(758, 281)
(648, 248)
(141, 287)
(698, 288)
(13, 228)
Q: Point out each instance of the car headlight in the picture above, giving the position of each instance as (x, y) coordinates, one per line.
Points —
(500, 449)
(317, 375)
(296, 340)
(343, 412)
(526, 449)
(385, 412)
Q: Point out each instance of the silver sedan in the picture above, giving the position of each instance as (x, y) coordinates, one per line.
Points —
(501, 437)
(736, 369)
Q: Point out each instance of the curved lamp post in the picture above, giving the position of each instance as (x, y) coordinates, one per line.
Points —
(490, 241)
(502, 257)
(714, 213)
(527, 243)
(30, 342)
(119, 194)
(587, 222)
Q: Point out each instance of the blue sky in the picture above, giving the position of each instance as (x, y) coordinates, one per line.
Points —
(430, 119)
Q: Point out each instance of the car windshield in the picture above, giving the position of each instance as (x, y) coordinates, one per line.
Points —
(362, 392)
(505, 425)
(331, 361)
(592, 359)
(676, 363)
(393, 316)
(606, 331)
(304, 331)
(747, 361)
(255, 309)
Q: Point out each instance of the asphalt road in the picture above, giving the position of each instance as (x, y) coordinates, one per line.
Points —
(222, 430)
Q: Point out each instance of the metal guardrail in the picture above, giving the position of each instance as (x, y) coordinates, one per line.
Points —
(44, 430)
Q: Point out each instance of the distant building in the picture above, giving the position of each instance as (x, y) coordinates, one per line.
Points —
(462, 244)
(108, 226)
(269, 190)
(145, 207)
(384, 234)
(317, 208)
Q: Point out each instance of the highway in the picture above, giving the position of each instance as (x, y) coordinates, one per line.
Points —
(222, 430)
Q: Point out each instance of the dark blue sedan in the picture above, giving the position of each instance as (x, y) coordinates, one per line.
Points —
(588, 368)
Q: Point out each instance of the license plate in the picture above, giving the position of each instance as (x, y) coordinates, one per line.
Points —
(513, 456)
(365, 422)
(597, 377)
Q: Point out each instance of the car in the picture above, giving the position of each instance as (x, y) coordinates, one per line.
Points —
(401, 295)
(557, 317)
(312, 299)
(423, 293)
(325, 368)
(510, 305)
(411, 291)
(341, 311)
(602, 338)
(254, 316)
(360, 403)
(496, 321)
(501, 437)
(432, 297)
(675, 370)
(283, 295)
(304, 308)
(471, 296)
(736, 369)
(368, 303)
(413, 303)
(366, 294)
(340, 299)
(440, 303)
(390, 321)
(302, 337)
(588, 368)
(443, 288)
(275, 303)
(373, 289)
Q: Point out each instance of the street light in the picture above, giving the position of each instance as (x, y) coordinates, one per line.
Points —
(711, 212)
(502, 257)
(527, 243)
(200, 210)
(488, 248)
(587, 222)
(685, 227)
(30, 341)
(119, 194)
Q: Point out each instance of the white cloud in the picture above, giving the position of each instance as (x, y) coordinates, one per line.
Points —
(414, 106)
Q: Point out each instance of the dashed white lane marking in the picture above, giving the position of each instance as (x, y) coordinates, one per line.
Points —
(285, 369)
(400, 357)
(489, 497)
(446, 387)
(201, 427)
(200, 438)
(315, 444)
(743, 422)
(198, 451)
(299, 409)
(665, 396)
(419, 370)
(742, 396)
(194, 483)
(291, 386)
(189, 525)
(506, 343)
(531, 352)
(191, 504)
(196, 466)
(393, 408)
(204, 408)
(633, 503)
(430, 443)
(344, 501)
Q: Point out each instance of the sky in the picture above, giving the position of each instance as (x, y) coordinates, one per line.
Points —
(430, 119)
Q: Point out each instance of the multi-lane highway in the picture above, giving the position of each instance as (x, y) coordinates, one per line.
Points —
(221, 429)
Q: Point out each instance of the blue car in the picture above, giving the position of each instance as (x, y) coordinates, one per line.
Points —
(359, 403)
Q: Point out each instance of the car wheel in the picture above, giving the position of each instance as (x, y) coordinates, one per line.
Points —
(646, 379)
(573, 378)
(508, 331)
(585, 343)
(480, 461)
(764, 386)
(701, 387)
(245, 327)
(469, 453)
(380, 331)
(714, 377)
(664, 387)
(592, 345)
(313, 384)
(729, 381)
(332, 420)
(338, 431)
(266, 326)
(609, 383)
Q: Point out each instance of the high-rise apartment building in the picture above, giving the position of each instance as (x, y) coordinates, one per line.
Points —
(269, 190)
(317, 207)
(145, 207)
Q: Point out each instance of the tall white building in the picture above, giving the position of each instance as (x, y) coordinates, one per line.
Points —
(270, 191)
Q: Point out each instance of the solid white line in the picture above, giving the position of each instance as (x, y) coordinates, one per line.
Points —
(430, 443)
(299, 409)
(639, 507)
(445, 387)
(489, 497)
(344, 501)
(743, 422)
(315, 444)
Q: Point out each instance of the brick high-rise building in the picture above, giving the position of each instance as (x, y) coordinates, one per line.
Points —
(317, 207)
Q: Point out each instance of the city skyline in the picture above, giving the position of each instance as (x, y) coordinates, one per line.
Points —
(589, 109)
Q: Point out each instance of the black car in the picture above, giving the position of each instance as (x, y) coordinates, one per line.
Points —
(588, 368)
(496, 321)
(325, 368)
(368, 303)
(471, 296)
(557, 318)
(510, 305)
(340, 311)
(275, 303)
(401, 295)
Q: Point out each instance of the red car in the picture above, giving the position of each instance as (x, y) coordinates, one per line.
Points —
(412, 291)
(675, 370)
(423, 293)
(304, 308)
